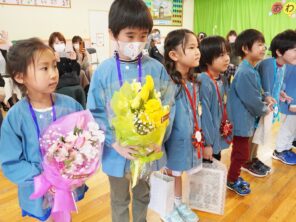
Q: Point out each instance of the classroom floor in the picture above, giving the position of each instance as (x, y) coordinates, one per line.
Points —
(273, 198)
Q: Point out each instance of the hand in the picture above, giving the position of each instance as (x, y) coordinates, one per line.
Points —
(208, 153)
(156, 148)
(269, 108)
(270, 100)
(292, 108)
(125, 152)
(72, 55)
(57, 56)
(285, 98)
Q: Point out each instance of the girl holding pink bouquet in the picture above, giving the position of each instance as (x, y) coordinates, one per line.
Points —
(32, 65)
(184, 146)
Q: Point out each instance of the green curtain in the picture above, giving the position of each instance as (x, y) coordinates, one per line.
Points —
(217, 17)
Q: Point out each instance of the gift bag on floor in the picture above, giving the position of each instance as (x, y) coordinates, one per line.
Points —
(162, 193)
(263, 131)
(206, 189)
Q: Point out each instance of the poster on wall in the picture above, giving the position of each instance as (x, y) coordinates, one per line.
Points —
(166, 12)
(42, 3)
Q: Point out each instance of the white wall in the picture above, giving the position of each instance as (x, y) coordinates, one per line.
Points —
(24, 21)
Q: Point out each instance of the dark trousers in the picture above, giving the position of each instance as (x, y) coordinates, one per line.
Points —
(239, 155)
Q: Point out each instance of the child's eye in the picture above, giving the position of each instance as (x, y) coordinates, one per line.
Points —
(44, 68)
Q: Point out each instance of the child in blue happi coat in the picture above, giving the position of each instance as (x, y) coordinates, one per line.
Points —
(246, 104)
(181, 56)
(213, 89)
(130, 22)
(272, 73)
(32, 65)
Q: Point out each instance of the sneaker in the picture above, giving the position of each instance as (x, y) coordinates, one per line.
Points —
(173, 217)
(287, 157)
(186, 213)
(255, 169)
(263, 165)
(240, 187)
(243, 181)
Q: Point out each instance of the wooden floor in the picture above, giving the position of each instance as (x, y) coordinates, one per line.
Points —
(273, 198)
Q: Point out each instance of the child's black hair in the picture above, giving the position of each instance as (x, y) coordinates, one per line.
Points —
(21, 55)
(129, 14)
(282, 42)
(211, 48)
(247, 39)
(172, 41)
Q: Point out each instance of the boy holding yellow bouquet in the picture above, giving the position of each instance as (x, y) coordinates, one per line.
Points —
(116, 99)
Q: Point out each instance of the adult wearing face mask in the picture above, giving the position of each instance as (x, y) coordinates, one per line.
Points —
(69, 69)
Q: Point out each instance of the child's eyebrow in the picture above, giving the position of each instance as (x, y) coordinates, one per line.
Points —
(130, 33)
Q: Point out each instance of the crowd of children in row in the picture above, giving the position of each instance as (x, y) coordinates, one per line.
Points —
(200, 115)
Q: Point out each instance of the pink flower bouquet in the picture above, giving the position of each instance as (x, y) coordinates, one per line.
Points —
(71, 148)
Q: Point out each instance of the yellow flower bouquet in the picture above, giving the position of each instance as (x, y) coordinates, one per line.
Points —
(140, 121)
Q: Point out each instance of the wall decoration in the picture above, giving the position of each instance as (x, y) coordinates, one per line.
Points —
(42, 3)
(288, 8)
(166, 12)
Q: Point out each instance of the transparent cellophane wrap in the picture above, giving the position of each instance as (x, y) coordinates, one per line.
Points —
(140, 119)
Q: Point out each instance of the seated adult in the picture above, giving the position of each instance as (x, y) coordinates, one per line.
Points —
(69, 68)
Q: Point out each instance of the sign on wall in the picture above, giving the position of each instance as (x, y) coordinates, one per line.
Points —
(42, 3)
(166, 12)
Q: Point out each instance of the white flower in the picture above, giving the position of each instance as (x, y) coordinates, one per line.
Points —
(93, 126)
(62, 154)
(89, 151)
(78, 159)
(98, 135)
(71, 137)
(52, 149)
(86, 135)
(157, 94)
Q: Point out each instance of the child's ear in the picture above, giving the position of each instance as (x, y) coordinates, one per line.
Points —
(245, 50)
(278, 53)
(173, 55)
(19, 78)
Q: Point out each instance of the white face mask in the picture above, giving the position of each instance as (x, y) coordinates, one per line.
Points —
(59, 47)
(130, 49)
(76, 46)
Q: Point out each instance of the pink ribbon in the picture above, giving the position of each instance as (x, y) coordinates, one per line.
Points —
(64, 201)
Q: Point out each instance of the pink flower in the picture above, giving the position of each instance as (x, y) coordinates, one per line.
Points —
(80, 141)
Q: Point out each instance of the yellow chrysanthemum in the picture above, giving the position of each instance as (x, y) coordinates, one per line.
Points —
(153, 105)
